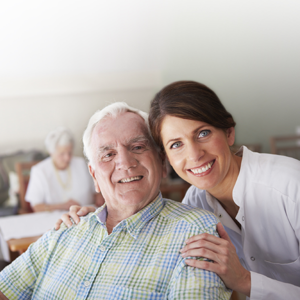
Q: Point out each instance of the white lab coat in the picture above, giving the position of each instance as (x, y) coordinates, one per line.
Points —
(268, 194)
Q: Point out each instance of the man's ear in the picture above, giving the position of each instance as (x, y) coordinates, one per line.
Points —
(230, 135)
(92, 172)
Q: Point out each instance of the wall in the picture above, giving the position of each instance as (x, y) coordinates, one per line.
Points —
(79, 54)
(37, 107)
(246, 51)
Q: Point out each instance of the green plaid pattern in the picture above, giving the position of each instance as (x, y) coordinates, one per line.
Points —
(140, 259)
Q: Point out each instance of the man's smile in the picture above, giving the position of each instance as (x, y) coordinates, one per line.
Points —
(130, 179)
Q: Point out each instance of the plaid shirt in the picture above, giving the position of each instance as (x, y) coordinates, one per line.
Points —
(140, 259)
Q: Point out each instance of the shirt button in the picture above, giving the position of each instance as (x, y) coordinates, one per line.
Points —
(252, 258)
(87, 283)
(243, 218)
(102, 248)
(220, 215)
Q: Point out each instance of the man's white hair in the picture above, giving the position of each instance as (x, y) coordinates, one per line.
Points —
(61, 136)
(111, 110)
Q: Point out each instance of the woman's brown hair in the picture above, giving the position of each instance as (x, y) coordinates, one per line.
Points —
(187, 100)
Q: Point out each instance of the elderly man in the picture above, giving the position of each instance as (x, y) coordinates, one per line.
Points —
(129, 248)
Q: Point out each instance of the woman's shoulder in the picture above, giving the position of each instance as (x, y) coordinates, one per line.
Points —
(195, 197)
(274, 172)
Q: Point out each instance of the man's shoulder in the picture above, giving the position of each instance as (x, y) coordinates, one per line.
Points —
(183, 212)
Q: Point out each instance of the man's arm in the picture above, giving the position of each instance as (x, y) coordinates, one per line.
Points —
(18, 279)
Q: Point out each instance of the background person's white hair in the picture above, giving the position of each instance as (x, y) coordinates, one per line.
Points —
(112, 110)
(61, 136)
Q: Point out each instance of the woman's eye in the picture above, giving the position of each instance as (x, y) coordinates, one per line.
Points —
(176, 145)
(204, 133)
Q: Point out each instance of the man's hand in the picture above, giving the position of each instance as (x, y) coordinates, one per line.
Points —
(75, 212)
(225, 260)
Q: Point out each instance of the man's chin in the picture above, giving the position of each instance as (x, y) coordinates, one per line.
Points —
(135, 198)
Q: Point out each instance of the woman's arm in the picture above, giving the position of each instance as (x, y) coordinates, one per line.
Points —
(225, 260)
(227, 265)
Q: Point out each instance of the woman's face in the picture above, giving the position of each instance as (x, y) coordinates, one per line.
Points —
(198, 152)
(62, 156)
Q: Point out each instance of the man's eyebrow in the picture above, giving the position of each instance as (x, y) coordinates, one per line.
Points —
(139, 138)
(105, 148)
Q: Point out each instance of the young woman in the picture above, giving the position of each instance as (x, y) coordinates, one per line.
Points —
(256, 196)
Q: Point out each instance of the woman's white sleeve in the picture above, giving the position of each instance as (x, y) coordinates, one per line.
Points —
(265, 288)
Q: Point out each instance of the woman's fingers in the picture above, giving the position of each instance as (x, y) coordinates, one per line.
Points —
(85, 210)
(57, 224)
(66, 218)
(222, 232)
(204, 236)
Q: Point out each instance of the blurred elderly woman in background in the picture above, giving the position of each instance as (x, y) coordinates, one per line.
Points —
(61, 180)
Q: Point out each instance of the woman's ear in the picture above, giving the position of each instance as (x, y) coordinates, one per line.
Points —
(92, 172)
(230, 135)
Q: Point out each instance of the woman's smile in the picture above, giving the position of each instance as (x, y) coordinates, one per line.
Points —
(198, 152)
(202, 170)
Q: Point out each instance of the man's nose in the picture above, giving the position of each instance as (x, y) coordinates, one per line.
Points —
(194, 152)
(125, 160)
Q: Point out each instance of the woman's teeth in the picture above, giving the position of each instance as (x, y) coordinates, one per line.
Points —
(131, 179)
(203, 169)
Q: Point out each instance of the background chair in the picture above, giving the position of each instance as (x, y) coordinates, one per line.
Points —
(286, 145)
(23, 172)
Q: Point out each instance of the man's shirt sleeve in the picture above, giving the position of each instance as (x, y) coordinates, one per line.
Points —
(17, 281)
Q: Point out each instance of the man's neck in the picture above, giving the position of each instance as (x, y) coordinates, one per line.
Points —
(117, 215)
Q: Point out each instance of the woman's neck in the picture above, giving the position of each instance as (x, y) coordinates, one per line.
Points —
(223, 192)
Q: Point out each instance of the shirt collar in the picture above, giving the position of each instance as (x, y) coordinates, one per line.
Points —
(221, 213)
(136, 222)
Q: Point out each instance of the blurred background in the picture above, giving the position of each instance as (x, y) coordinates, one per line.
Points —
(62, 60)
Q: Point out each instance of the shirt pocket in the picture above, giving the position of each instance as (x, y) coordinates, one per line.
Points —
(285, 272)
(121, 292)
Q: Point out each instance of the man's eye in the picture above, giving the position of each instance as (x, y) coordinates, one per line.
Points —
(107, 156)
(176, 145)
(138, 148)
(204, 133)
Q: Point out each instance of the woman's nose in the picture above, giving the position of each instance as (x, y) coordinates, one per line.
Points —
(194, 153)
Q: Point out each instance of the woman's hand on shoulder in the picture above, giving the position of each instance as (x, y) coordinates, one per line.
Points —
(223, 254)
(75, 212)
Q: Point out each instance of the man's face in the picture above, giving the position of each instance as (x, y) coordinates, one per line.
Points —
(127, 167)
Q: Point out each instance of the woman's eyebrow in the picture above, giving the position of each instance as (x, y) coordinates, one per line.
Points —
(178, 138)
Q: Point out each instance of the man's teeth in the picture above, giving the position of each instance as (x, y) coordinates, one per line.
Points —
(203, 169)
(131, 179)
